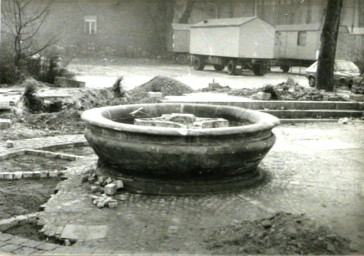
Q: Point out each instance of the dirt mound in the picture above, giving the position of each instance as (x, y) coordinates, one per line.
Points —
(167, 86)
(66, 121)
(63, 114)
(288, 90)
(282, 233)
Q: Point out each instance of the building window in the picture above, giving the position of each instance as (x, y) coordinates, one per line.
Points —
(301, 38)
(90, 25)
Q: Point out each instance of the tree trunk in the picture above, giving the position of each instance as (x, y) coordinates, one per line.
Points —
(161, 14)
(326, 60)
(187, 13)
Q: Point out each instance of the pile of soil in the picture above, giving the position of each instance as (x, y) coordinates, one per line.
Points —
(289, 90)
(282, 233)
(167, 86)
(19, 197)
(66, 121)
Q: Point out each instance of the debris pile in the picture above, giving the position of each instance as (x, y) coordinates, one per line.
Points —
(163, 84)
(289, 90)
(282, 233)
(358, 85)
(65, 121)
(103, 189)
(63, 114)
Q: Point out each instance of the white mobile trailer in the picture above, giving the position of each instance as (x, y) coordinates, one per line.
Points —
(246, 42)
(178, 41)
(299, 44)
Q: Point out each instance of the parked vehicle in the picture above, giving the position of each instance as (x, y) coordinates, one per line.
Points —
(178, 42)
(251, 43)
(299, 45)
(344, 73)
(237, 43)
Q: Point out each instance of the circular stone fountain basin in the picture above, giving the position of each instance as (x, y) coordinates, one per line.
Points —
(182, 160)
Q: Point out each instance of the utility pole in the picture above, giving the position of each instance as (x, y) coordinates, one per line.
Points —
(329, 35)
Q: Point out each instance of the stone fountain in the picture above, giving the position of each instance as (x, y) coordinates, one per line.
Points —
(180, 148)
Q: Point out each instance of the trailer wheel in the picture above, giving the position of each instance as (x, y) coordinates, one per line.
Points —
(219, 67)
(312, 81)
(258, 69)
(198, 63)
(231, 66)
(181, 58)
(285, 68)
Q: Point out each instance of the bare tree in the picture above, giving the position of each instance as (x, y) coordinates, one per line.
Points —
(23, 20)
(326, 60)
(187, 13)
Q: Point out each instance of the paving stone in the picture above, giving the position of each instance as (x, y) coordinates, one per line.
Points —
(32, 217)
(5, 237)
(41, 252)
(5, 124)
(18, 240)
(119, 184)
(8, 176)
(27, 175)
(108, 180)
(32, 243)
(9, 143)
(17, 175)
(61, 250)
(110, 189)
(53, 174)
(7, 223)
(121, 197)
(36, 175)
(10, 247)
(112, 203)
(47, 246)
(5, 104)
(81, 250)
(84, 232)
(22, 219)
(44, 174)
(25, 251)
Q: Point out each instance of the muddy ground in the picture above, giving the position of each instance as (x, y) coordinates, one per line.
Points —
(19, 197)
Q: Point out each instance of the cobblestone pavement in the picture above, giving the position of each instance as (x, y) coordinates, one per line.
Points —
(315, 168)
(40, 143)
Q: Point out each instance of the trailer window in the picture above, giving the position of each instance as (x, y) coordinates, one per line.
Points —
(90, 25)
(301, 38)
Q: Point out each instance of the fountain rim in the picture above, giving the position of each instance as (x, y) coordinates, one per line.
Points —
(263, 121)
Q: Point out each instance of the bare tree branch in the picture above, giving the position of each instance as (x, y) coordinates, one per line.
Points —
(24, 24)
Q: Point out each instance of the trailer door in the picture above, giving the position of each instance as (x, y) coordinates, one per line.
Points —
(282, 44)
